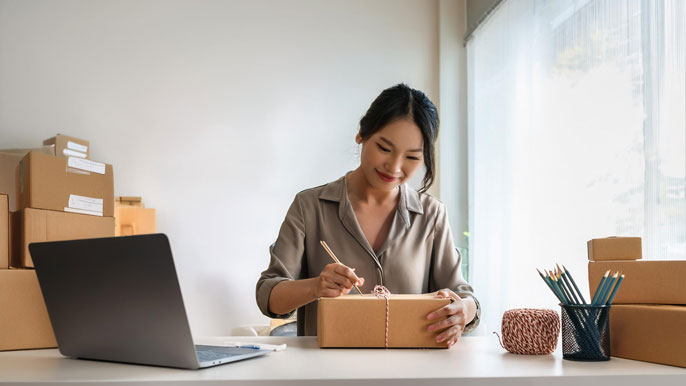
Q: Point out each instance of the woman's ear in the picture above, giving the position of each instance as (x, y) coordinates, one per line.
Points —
(358, 138)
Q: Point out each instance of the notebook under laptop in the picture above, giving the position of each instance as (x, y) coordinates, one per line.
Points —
(118, 299)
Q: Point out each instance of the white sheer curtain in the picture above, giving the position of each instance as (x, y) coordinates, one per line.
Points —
(577, 129)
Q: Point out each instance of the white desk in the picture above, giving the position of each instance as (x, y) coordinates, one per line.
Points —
(473, 361)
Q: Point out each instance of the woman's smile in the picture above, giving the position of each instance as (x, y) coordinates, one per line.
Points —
(385, 177)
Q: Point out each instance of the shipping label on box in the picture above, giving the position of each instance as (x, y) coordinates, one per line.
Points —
(4, 232)
(47, 182)
(651, 333)
(37, 225)
(645, 281)
(360, 321)
(614, 248)
(24, 321)
(66, 146)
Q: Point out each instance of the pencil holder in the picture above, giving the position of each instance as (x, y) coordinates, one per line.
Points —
(586, 332)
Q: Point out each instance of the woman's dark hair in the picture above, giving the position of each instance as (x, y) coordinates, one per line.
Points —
(398, 102)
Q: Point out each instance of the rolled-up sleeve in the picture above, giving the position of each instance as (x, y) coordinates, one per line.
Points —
(287, 255)
(446, 270)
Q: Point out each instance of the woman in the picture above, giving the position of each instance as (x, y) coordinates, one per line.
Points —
(383, 231)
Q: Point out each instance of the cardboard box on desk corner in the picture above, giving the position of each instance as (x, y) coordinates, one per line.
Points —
(48, 182)
(614, 248)
(9, 159)
(24, 321)
(66, 146)
(4, 232)
(36, 225)
(651, 333)
(360, 321)
(645, 281)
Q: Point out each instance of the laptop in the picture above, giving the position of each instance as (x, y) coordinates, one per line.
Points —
(118, 299)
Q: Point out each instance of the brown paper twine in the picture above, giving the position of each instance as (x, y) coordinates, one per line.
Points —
(383, 292)
(530, 331)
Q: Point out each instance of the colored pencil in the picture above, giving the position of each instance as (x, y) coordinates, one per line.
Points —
(600, 287)
(581, 296)
(614, 291)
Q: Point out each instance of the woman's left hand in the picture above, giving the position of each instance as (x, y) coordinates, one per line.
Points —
(449, 329)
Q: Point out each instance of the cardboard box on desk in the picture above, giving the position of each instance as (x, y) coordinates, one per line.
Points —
(36, 225)
(650, 333)
(9, 160)
(645, 281)
(66, 184)
(4, 232)
(24, 321)
(66, 146)
(360, 321)
(614, 248)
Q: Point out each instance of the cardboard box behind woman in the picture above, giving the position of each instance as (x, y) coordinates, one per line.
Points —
(9, 160)
(36, 225)
(66, 146)
(66, 184)
(4, 232)
(24, 321)
(132, 218)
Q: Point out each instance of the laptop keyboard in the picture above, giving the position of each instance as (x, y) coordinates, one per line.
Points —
(209, 355)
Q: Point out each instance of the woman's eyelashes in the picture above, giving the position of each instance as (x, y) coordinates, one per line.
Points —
(386, 150)
(383, 149)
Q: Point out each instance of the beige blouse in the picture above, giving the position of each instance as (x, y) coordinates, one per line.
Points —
(418, 255)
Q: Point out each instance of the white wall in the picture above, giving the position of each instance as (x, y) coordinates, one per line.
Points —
(216, 112)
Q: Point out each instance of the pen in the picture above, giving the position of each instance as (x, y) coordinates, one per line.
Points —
(335, 259)
(273, 347)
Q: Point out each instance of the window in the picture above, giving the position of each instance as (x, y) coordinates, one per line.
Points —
(577, 127)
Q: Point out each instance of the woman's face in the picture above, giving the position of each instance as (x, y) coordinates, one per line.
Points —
(392, 155)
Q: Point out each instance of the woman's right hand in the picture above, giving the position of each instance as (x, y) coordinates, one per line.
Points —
(335, 280)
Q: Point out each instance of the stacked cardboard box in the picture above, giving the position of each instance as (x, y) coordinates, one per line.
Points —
(36, 225)
(66, 146)
(58, 195)
(132, 217)
(24, 321)
(65, 184)
(649, 311)
(9, 160)
(4, 231)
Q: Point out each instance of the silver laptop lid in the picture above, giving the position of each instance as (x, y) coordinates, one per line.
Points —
(115, 299)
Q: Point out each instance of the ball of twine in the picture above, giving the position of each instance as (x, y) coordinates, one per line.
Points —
(530, 331)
